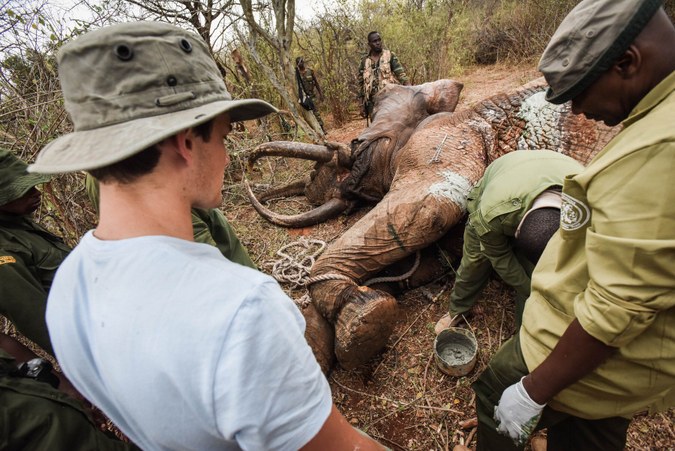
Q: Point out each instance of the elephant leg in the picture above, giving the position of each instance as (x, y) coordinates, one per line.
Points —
(320, 336)
(407, 219)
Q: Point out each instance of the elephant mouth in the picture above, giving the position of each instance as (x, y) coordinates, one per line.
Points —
(322, 154)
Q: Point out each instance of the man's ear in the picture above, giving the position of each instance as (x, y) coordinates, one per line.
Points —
(184, 144)
(629, 64)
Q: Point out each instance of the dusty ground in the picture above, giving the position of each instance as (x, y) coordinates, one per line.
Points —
(401, 398)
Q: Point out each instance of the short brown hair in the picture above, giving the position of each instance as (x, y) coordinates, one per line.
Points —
(143, 162)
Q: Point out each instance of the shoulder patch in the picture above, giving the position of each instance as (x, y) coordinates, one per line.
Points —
(574, 214)
(7, 259)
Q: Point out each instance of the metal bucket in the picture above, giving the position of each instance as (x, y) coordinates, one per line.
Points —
(455, 351)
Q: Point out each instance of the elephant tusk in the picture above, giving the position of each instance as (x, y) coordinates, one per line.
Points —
(291, 149)
(320, 214)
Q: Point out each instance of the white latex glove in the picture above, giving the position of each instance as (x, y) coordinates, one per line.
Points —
(517, 414)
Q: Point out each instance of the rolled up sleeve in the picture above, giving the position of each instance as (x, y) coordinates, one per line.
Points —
(630, 248)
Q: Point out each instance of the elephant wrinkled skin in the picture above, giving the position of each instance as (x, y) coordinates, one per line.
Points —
(420, 177)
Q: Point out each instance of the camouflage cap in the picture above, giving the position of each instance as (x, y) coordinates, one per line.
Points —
(129, 86)
(588, 41)
(14, 180)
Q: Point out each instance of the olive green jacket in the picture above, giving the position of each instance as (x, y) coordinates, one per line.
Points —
(309, 82)
(29, 258)
(496, 205)
(612, 267)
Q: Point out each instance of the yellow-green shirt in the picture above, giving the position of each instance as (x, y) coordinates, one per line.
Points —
(612, 266)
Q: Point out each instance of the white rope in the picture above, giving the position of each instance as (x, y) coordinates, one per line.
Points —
(409, 273)
(295, 264)
(296, 260)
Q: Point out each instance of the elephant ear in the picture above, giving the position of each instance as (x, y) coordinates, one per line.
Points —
(442, 95)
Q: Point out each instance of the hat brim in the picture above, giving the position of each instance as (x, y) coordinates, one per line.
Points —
(91, 149)
(21, 185)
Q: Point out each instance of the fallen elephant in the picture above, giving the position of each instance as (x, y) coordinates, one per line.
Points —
(419, 175)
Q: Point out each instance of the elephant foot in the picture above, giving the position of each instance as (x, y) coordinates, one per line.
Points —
(364, 325)
(320, 337)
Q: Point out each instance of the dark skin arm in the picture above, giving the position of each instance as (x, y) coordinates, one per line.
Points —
(576, 354)
(23, 354)
(14, 348)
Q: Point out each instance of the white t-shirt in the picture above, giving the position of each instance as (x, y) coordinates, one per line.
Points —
(184, 349)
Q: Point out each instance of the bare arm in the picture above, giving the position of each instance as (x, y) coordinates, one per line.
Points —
(576, 354)
(14, 348)
(338, 434)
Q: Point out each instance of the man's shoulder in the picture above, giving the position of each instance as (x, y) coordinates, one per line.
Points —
(652, 132)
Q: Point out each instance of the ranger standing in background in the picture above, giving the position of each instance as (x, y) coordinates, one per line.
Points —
(377, 69)
(310, 85)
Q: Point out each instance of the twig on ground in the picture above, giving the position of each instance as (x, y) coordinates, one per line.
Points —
(403, 335)
(470, 423)
(467, 442)
(384, 439)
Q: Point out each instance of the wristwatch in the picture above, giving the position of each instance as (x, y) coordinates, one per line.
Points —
(39, 369)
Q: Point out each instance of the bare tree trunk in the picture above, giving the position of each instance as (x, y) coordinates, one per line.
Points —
(280, 41)
(288, 97)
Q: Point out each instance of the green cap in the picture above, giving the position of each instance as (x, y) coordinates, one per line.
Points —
(588, 41)
(129, 86)
(14, 180)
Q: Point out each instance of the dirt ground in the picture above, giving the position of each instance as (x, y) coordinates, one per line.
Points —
(401, 398)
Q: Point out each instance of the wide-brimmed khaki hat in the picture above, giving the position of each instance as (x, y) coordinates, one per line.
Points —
(14, 180)
(588, 41)
(129, 86)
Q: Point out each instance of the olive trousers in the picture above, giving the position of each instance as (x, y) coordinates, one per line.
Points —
(36, 416)
(564, 431)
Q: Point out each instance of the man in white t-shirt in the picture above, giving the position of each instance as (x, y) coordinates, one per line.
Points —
(180, 347)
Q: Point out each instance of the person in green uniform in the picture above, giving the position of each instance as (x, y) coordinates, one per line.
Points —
(38, 409)
(310, 84)
(597, 342)
(29, 254)
(513, 212)
(378, 68)
(33, 413)
(208, 226)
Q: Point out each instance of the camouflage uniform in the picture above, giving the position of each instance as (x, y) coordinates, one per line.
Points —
(309, 85)
(373, 77)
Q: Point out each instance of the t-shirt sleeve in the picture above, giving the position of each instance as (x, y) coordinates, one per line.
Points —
(630, 247)
(269, 390)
